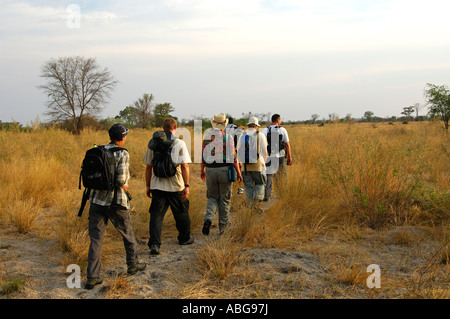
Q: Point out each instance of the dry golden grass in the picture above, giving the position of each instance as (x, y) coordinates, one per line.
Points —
(119, 287)
(219, 257)
(348, 182)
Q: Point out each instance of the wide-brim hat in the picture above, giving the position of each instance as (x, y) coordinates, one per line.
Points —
(219, 121)
(253, 120)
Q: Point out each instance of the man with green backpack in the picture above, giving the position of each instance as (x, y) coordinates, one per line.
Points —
(167, 180)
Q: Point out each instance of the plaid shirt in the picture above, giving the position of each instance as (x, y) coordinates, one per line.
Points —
(105, 198)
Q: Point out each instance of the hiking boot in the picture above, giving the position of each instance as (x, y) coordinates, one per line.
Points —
(206, 226)
(188, 242)
(92, 282)
(154, 249)
(135, 267)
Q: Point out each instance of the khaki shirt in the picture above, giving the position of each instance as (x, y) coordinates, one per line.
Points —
(180, 155)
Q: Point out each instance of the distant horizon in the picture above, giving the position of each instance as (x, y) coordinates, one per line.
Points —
(179, 120)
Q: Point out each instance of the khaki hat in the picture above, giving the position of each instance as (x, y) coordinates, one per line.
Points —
(253, 120)
(219, 121)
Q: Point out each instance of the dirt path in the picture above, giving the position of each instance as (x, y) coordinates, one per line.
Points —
(328, 267)
(39, 262)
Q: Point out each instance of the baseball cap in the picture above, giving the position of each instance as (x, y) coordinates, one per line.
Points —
(117, 132)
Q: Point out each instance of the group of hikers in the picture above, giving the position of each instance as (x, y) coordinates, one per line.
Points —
(230, 154)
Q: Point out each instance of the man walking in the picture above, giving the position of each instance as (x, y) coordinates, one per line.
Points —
(114, 206)
(252, 153)
(218, 156)
(171, 191)
(279, 151)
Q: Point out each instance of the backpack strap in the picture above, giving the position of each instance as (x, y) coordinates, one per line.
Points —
(113, 150)
(246, 140)
(257, 144)
(84, 200)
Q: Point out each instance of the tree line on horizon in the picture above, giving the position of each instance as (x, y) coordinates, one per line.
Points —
(78, 88)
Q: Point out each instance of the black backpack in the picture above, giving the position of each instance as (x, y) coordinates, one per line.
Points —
(278, 143)
(249, 154)
(162, 163)
(98, 171)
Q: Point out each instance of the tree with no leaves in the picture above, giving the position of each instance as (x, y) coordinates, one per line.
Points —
(76, 87)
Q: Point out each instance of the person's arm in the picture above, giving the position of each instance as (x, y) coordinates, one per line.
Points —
(123, 173)
(237, 166)
(185, 174)
(263, 147)
(148, 179)
(236, 163)
(287, 147)
(202, 172)
(288, 151)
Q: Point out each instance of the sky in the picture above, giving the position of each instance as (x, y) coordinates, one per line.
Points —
(295, 58)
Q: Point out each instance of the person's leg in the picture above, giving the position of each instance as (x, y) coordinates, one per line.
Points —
(280, 177)
(212, 193)
(249, 187)
(259, 179)
(97, 225)
(268, 187)
(120, 218)
(157, 210)
(224, 198)
(180, 211)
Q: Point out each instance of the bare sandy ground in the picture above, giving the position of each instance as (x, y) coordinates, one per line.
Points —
(313, 273)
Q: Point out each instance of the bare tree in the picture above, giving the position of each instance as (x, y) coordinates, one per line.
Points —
(143, 110)
(417, 107)
(76, 87)
(314, 117)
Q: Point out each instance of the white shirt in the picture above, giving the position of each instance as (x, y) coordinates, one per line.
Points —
(280, 130)
(180, 155)
(260, 165)
(229, 129)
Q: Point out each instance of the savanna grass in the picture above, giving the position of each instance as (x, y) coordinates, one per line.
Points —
(344, 177)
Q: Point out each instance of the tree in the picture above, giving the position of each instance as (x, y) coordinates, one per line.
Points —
(438, 101)
(314, 117)
(76, 87)
(161, 112)
(368, 115)
(128, 115)
(408, 110)
(143, 110)
(417, 107)
(333, 117)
